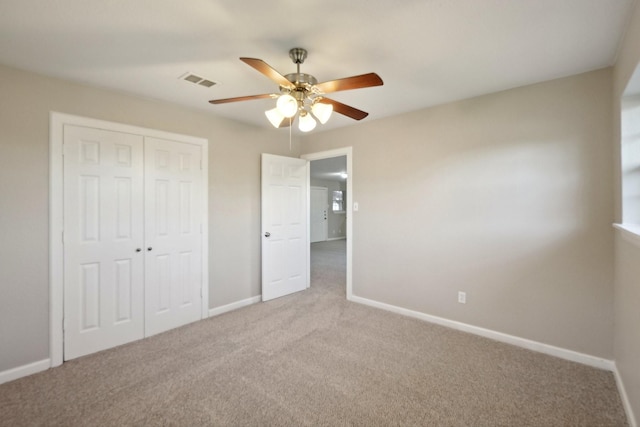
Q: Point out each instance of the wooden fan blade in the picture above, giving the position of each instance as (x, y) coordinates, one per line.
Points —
(355, 82)
(345, 110)
(241, 98)
(266, 69)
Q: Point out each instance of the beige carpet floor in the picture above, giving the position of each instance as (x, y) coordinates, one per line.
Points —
(314, 359)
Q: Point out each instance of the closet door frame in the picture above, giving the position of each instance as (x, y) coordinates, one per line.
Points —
(57, 121)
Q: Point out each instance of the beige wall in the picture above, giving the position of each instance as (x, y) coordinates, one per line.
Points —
(506, 197)
(234, 189)
(627, 255)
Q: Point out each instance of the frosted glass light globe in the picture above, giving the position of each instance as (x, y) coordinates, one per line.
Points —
(306, 123)
(275, 117)
(322, 111)
(287, 105)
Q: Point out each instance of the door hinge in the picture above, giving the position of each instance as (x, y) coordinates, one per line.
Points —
(64, 323)
(63, 237)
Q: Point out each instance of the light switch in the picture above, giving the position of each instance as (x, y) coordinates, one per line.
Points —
(355, 206)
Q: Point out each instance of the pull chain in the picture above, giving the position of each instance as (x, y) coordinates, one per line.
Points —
(290, 120)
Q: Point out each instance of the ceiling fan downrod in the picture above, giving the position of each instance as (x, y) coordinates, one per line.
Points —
(298, 55)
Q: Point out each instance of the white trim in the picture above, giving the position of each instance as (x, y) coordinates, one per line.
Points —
(204, 311)
(24, 371)
(345, 151)
(56, 210)
(562, 353)
(308, 243)
(56, 248)
(630, 232)
(234, 306)
(631, 419)
(336, 238)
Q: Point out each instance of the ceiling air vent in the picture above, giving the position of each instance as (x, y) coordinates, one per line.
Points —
(193, 78)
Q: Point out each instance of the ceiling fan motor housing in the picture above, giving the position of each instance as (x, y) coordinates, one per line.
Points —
(303, 86)
(301, 79)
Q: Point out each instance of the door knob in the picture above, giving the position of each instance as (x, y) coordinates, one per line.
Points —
(138, 249)
(267, 234)
(149, 248)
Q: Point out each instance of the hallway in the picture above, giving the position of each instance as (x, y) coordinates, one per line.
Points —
(329, 266)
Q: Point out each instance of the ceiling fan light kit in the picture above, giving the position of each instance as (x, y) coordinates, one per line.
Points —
(276, 118)
(322, 111)
(306, 122)
(287, 105)
(302, 95)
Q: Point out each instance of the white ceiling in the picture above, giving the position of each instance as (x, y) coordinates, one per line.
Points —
(427, 52)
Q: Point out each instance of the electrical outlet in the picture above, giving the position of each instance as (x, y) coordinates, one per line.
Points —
(462, 297)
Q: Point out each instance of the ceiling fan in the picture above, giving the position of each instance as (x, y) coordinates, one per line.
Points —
(301, 94)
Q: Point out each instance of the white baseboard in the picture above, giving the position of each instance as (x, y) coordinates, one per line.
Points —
(25, 370)
(562, 353)
(234, 305)
(631, 419)
(337, 238)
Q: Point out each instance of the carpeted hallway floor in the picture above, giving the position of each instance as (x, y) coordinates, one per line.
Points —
(313, 358)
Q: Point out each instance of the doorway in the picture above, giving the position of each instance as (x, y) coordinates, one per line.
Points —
(340, 229)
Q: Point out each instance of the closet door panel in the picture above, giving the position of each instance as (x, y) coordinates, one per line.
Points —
(103, 229)
(173, 262)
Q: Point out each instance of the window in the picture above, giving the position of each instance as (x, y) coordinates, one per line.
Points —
(630, 159)
(337, 201)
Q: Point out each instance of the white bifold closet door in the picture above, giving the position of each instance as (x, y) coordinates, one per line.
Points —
(132, 237)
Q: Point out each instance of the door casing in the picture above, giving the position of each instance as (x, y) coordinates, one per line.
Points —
(348, 152)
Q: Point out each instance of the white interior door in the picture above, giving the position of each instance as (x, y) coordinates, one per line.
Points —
(173, 239)
(318, 214)
(103, 239)
(285, 232)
